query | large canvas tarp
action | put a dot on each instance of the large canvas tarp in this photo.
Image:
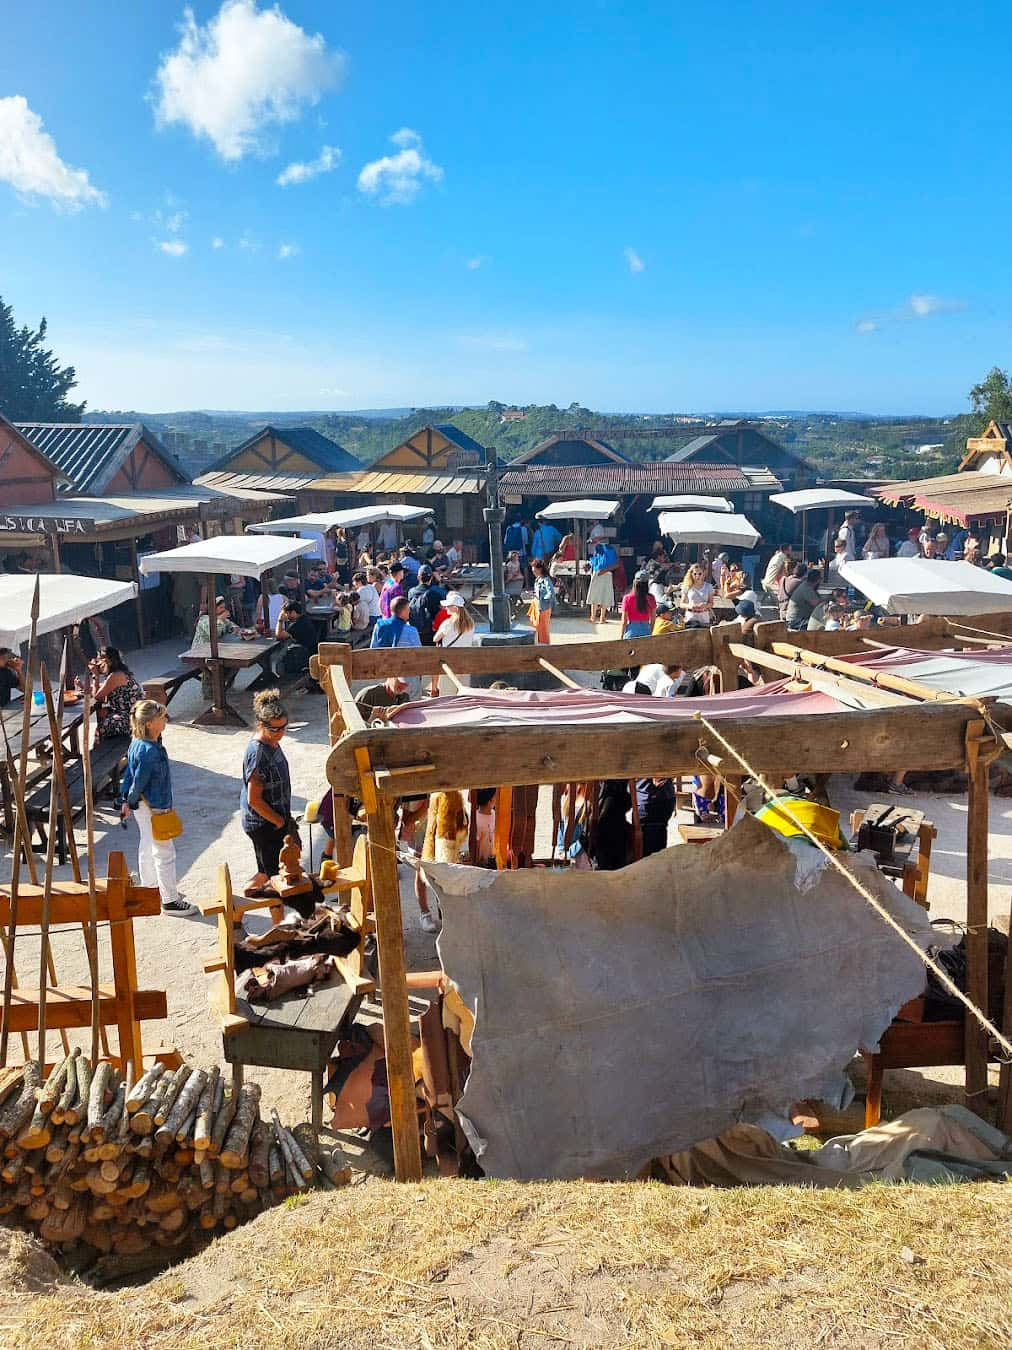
(626, 1015)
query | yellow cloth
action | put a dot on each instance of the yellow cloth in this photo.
(784, 814)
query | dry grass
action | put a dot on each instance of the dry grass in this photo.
(504, 1264)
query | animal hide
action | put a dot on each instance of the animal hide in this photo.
(446, 828)
(622, 1016)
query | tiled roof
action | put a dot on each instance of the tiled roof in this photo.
(89, 453)
(307, 441)
(582, 480)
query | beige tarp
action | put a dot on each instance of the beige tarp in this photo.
(624, 1016)
(930, 1144)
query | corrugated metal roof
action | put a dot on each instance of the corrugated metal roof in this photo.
(285, 483)
(546, 480)
(89, 453)
(147, 509)
(379, 482)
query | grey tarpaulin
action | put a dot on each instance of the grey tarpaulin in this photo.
(626, 1015)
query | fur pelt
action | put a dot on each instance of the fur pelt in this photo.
(446, 828)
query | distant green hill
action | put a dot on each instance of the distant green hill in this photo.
(839, 445)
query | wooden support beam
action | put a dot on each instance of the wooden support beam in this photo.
(827, 682)
(70, 1007)
(882, 679)
(386, 896)
(690, 647)
(560, 675)
(906, 736)
(976, 911)
(457, 686)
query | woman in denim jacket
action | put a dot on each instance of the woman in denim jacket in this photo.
(145, 790)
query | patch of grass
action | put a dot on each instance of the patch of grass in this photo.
(468, 1264)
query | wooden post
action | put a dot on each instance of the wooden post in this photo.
(54, 548)
(139, 597)
(386, 895)
(124, 965)
(976, 912)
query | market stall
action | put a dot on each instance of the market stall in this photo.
(820, 499)
(64, 599)
(240, 554)
(827, 723)
(581, 511)
(929, 586)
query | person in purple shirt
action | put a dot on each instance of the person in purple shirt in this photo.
(393, 589)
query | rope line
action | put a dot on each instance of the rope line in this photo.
(862, 890)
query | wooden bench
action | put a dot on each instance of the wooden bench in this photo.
(163, 688)
(106, 765)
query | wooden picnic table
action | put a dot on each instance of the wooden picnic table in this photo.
(38, 739)
(235, 654)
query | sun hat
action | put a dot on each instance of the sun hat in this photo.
(745, 609)
(455, 598)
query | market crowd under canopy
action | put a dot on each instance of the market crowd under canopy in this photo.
(244, 554)
(582, 508)
(821, 499)
(708, 527)
(687, 501)
(929, 586)
(64, 599)
(351, 519)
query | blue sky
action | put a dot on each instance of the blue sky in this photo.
(635, 206)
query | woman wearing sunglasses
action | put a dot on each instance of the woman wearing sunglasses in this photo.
(266, 798)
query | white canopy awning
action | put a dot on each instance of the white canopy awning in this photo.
(64, 599)
(582, 508)
(708, 527)
(247, 555)
(814, 499)
(687, 502)
(929, 586)
(341, 520)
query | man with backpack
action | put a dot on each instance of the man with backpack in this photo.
(424, 602)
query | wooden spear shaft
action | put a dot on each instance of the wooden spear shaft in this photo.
(91, 931)
(21, 824)
(59, 768)
(47, 884)
(26, 722)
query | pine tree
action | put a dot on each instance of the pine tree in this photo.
(33, 385)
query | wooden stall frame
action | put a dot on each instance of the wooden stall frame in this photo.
(379, 764)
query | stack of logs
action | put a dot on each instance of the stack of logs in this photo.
(167, 1161)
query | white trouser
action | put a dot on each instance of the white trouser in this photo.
(156, 860)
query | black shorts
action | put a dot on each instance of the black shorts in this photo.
(268, 841)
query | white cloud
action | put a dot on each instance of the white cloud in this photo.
(923, 306)
(244, 72)
(175, 248)
(217, 242)
(406, 139)
(865, 326)
(248, 244)
(29, 162)
(474, 263)
(396, 180)
(302, 171)
(636, 263)
(287, 251)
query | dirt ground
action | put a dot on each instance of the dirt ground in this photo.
(206, 780)
(505, 1265)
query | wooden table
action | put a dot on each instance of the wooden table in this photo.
(38, 739)
(298, 1031)
(235, 655)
